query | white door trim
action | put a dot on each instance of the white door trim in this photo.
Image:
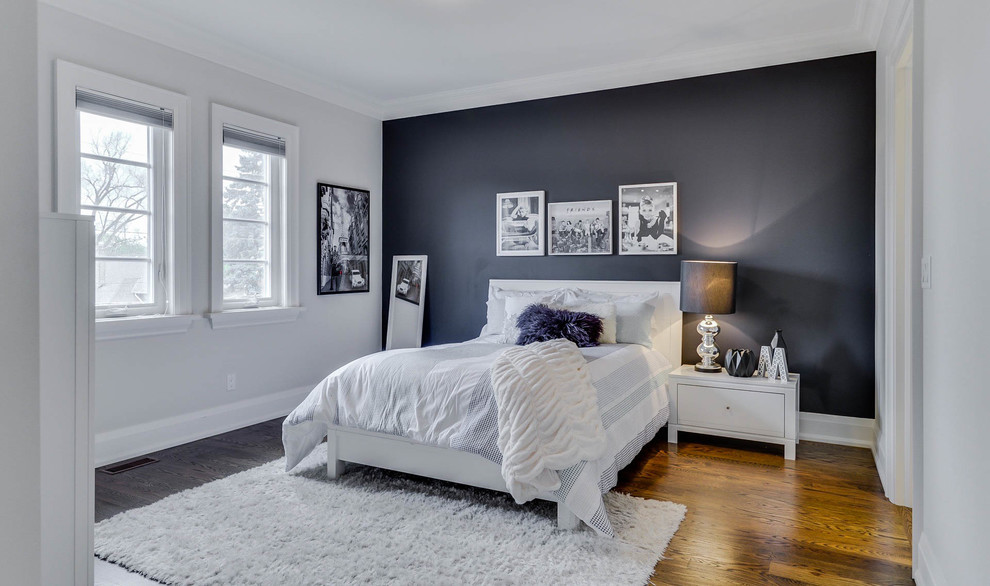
(898, 325)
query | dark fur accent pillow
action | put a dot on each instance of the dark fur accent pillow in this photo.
(540, 323)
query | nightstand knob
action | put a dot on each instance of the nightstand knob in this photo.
(726, 406)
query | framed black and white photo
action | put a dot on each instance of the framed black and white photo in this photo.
(519, 229)
(344, 236)
(580, 227)
(648, 218)
(408, 278)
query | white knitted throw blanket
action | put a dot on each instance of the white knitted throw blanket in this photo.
(548, 418)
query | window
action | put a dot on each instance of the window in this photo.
(253, 169)
(253, 207)
(121, 148)
(125, 153)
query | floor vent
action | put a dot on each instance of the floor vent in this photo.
(125, 466)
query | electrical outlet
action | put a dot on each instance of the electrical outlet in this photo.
(926, 272)
(231, 381)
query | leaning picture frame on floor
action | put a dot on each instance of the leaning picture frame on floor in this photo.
(343, 234)
(519, 225)
(406, 306)
(648, 218)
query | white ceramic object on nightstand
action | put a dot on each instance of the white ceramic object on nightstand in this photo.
(750, 408)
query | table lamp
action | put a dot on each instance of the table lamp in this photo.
(708, 287)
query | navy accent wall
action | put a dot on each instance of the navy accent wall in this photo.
(775, 170)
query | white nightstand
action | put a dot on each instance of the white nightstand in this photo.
(751, 408)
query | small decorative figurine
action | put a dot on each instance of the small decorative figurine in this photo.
(778, 341)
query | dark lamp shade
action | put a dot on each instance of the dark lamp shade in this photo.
(708, 287)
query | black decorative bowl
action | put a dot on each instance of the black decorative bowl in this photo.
(740, 362)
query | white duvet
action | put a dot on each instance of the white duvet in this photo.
(444, 396)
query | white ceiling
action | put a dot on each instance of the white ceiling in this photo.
(395, 58)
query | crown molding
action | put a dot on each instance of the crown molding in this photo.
(897, 19)
(870, 19)
(844, 41)
(138, 20)
(862, 34)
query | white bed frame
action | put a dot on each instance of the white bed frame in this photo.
(403, 455)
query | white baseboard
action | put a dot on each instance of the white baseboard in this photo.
(926, 569)
(879, 458)
(836, 429)
(137, 440)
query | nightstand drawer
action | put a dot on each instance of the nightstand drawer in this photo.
(731, 409)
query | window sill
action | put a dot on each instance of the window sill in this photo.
(261, 316)
(122, 328)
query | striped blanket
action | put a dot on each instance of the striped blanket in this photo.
(442, 396)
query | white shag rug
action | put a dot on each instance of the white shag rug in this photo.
(268, 527)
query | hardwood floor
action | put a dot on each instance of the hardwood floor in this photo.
(753, 518)
(188, 466)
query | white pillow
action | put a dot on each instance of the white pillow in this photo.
(605, 310)
(514, 306)
(634, 322)
(634, 313)
(600, 296)
(496, 305)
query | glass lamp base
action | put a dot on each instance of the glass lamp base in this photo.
(702, 368)
(707, 349)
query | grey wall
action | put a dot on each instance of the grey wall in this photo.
(952, 547)
(775, 170)
(171, 381)
(20, 508)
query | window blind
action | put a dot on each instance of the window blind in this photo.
(121, 108)
(251, 140)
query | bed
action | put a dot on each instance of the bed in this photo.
(429, 411)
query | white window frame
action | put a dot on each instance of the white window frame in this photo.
(176, 250)
(284, 304)
(159, 162)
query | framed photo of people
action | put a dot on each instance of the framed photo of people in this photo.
(580, 227)
(343, 239)
(648, 218)
(519, 228)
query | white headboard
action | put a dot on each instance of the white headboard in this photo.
(667, 317)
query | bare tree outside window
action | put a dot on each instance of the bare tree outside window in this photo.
(115, 178)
